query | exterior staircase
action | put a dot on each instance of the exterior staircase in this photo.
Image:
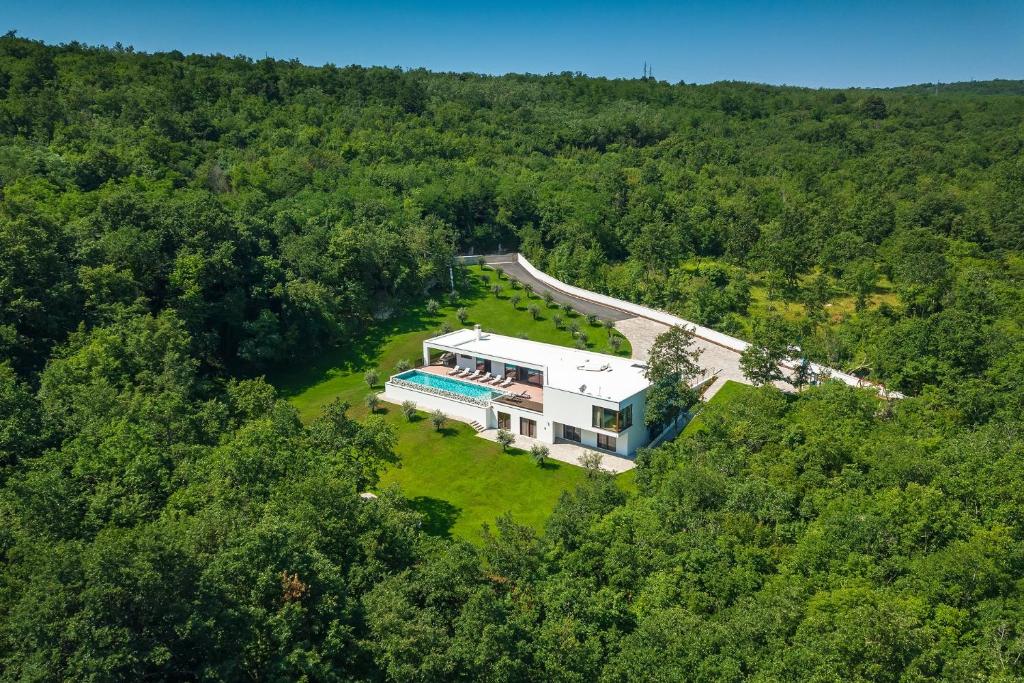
(477, 426)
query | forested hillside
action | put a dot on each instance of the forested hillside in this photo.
(172, 227)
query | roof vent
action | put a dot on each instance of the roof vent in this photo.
(583, 388)
(476, 328)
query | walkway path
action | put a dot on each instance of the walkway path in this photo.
(566, 452)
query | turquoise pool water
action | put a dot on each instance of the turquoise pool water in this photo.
(477, 391)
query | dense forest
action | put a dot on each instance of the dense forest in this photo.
(173, 227)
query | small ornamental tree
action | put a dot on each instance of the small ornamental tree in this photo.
(432, 306)
(529, 289)
(567, 309)
(514, 283)
(402, 365)
(802, 375)
(591, 319)
(371, 378)
(615, 341)
(760, 361)
(548, 298)
(409, 410)
(438, 419)
(463, 315)
(539, 452)
(515, 299)
(505, 438)
(609, 325)
(671, 369)
(496, 289)
(500, 271)
(557, 320)
(372, 401)
(534, 311)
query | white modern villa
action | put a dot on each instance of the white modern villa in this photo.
(550, 393)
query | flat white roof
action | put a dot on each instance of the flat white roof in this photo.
(582, 372)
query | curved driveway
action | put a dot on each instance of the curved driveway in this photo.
(722, 362)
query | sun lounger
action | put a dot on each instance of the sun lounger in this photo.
(486, 377)
(463, 372)
(454, 371)
(474, 375)
(507, 383)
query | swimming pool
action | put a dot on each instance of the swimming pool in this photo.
(476, 393)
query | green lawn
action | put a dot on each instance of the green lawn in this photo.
(456, 479)
(729, 391)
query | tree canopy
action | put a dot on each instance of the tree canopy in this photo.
(173, 226)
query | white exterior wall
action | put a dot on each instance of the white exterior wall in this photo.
(544, 424)
(576, 410)
(429, 402)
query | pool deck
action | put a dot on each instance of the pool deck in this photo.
(533, 399)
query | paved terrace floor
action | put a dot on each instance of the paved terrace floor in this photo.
(567, 452)
(532, 396)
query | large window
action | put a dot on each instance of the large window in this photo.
(504, 421)
(606, 442)
(612, 420)
(570, 433)
(528, 427)
(525, 375)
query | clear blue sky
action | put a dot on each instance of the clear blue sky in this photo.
(803, 43)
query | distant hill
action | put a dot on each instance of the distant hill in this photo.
(999, 86)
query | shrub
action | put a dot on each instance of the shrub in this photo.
(514, 283)
(591, 462)
(548, 298)
(534, 311)
(609, 325)
(616, 342)
(481, 261)
(582, 336)
(371, 378)
(539, 452)
(529, 289)
(463, 315)
(409, 410)
(438, 419)
(402, 365)
(591, 319)
(505, 438)
(432, 306)
(557, 319)
(372, 402)
(574, 327)
(445, 328)
(581, 344)
(496, 290)
(567, 309)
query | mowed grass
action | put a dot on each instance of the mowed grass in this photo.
(456, 479)
(339, 373)
(729, 391)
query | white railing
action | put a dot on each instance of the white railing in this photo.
(444, 393)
